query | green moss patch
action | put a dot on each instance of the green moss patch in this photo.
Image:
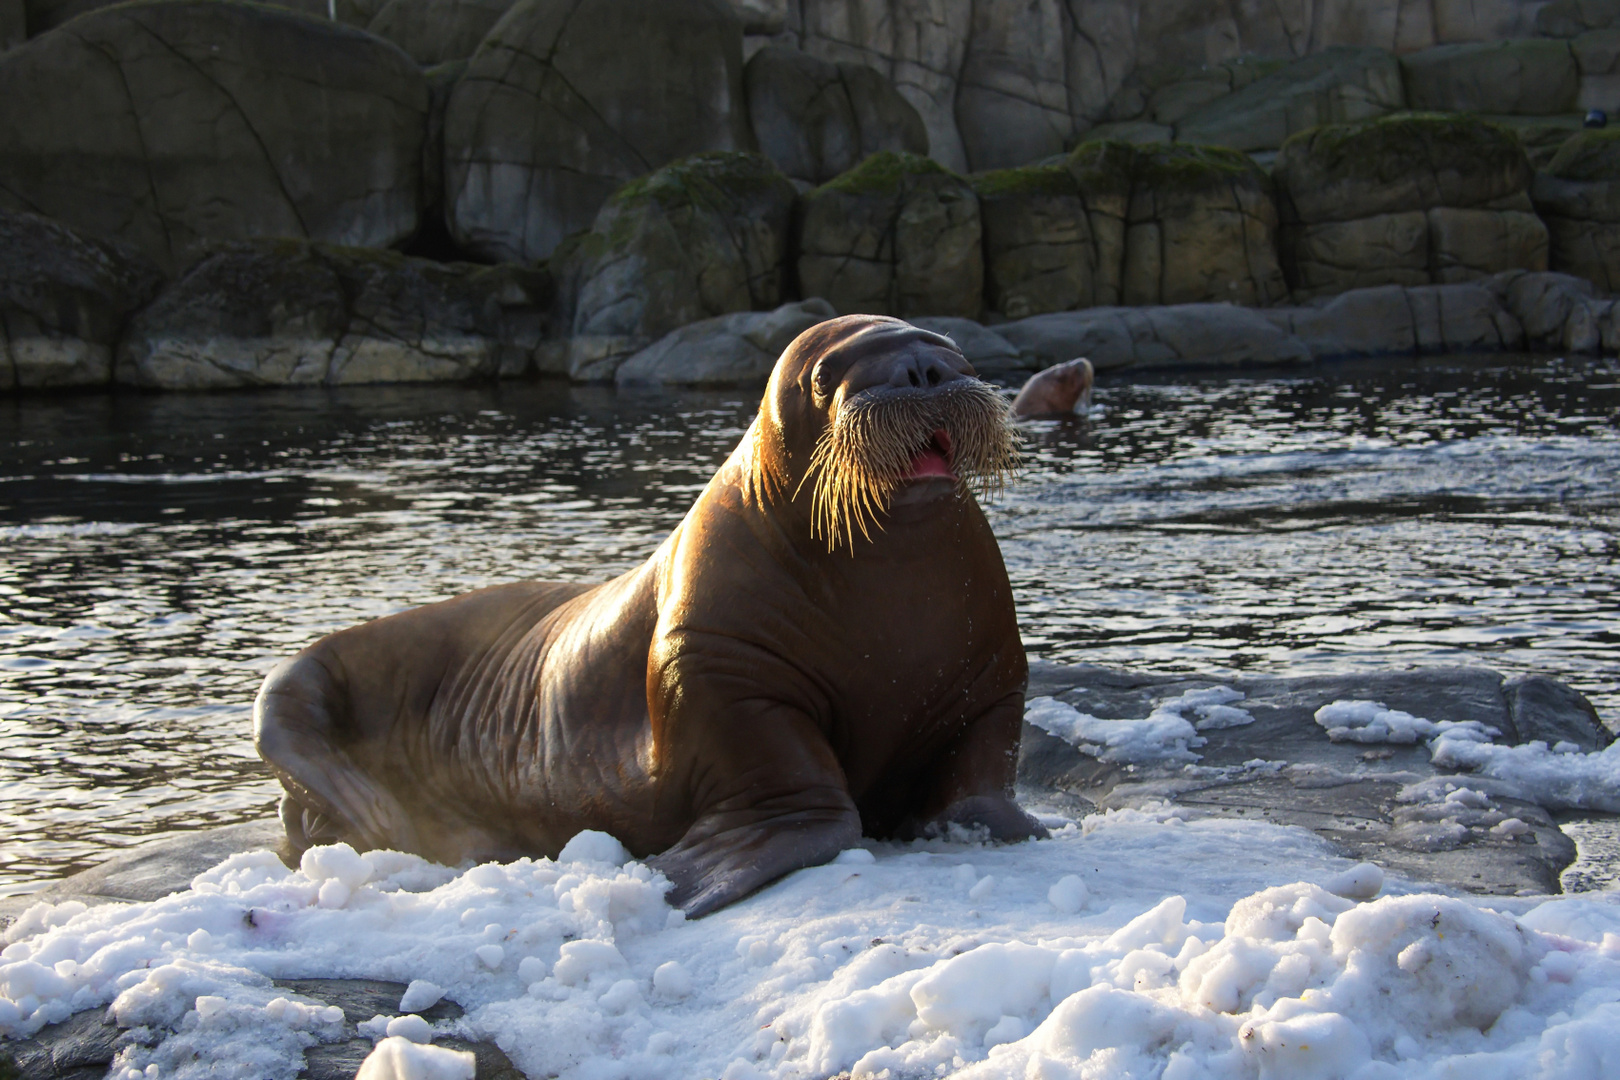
(1387, 149)
(883, 173)
(1031, 180)
(1183, 165)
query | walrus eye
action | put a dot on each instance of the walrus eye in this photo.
(823, 383)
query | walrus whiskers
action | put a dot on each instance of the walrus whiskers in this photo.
(865, 453)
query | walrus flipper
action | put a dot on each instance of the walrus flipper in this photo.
(329, 798)
(713, 870)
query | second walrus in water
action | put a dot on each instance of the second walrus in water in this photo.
(826, 646)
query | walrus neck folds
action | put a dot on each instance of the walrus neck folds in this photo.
(873, 441)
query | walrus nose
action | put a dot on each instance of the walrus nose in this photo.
(921, 370)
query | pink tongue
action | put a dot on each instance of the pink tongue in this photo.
(930, 462)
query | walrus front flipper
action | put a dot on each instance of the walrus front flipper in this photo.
(711, 869)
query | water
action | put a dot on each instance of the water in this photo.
(160, 553)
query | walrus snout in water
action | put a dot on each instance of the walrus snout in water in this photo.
(1060, 390)
(824, 647)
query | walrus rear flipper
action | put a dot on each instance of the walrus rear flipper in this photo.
(329, 798)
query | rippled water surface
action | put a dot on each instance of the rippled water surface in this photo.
(160, 553)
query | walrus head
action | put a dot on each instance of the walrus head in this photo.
(866, 410)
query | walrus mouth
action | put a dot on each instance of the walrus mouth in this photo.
(880, 439)
(933, 459)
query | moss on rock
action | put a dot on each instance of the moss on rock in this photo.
(883, 173)
(1052, 180)
(1389, 149)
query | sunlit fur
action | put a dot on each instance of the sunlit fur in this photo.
(865, 453)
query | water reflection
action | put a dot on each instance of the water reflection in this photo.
(161, 552)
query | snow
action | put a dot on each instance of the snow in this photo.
(1559, 777)
(1130, 944)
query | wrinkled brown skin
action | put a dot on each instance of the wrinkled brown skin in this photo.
(742, 705)
(1059, 390)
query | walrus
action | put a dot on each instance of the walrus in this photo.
(1060, 390)
(825, 647)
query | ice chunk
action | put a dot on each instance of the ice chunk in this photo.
(410, 1026)
(1069, 895)
(419, 995)
(400, 1059)
(1361, 882)
(671, 980)
(594, 847)
(582, 959)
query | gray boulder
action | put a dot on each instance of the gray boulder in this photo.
(897, 235)
(817, 119)
(566, 100)
(701, 237)
(1534, 77)
(176, 123)
(1039, 251)
(1597, 55)
(13, 23)
(436, 31)
(1201, 227)
(1390, 320)
(291, 313)
(1205, 336)
(1335, 86)
(1405, 200)
(739, 349)
(1578, 196)
(1385, 803)
(64, 299)
(1571, 18)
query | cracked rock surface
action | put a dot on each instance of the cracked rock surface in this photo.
(289, 313)
(64, 299)
(551, 115)
(174, 124)
(1408, 200)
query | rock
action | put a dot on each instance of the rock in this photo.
(1012, 102)
(1104, 172)
(81, 1046)
(1407, 201)
(1571, 18)
(176, 123)
(1529, 77)
(435, 31)
(1385, 804)
(1201, 227)
(43, 15)
(64, 299)
(1597, 55)
(566, 100)
(993, 357)
(1039, 253)
(152, 870)
(1390, 320)
(897, 235)
(288, 313)
(1545, 304)
(1579, 199)
(817, 119)
(84, 1045)
(1179, 336)
(703, 236)
(731, 350)
(1339, 85)
(761, 16)
(1135, 132)
(13, 23)
(918, 45)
